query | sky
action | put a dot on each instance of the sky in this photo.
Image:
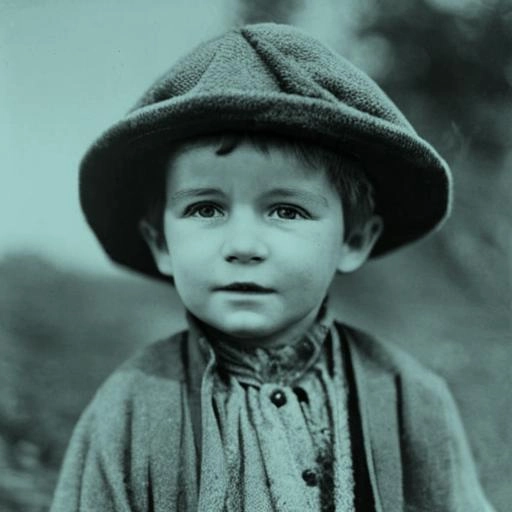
(69, 69)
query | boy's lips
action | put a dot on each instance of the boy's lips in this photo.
(246, 287)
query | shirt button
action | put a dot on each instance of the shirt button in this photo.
(309, 476)
(278, 398)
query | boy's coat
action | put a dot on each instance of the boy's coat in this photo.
(136, 445)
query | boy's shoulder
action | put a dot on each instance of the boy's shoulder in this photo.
(429, 446)
(379, 356)
(153, 370)
(162, 359)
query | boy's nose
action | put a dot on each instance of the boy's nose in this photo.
(242, 245)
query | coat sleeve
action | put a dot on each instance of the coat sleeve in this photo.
(98, 468)
(440, 471)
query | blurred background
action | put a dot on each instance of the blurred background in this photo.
(68, 316)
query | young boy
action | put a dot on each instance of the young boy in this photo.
(254, 170)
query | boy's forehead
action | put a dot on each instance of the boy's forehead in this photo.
(201, 161)
(199, 171)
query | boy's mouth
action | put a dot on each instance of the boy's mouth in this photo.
(244, 287)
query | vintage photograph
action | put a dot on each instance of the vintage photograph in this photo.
(256, 256)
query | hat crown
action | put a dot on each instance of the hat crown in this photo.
(273, 59)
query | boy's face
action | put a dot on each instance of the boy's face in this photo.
(247, 217)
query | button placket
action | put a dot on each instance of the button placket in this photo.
(310, 475)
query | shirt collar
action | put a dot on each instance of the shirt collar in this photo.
(282, 365)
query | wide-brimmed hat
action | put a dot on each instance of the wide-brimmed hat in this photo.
(274, 79)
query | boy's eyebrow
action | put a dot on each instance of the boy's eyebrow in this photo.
(298, 193)
(276, 192)
(195, 192)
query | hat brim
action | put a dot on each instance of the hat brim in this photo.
(412, 182)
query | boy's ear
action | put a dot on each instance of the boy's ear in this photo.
(357, 248)
(157, 246)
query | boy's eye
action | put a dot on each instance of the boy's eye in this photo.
(290, 212)
(211, 210)
(205, 210)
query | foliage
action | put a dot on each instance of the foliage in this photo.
(449, 66)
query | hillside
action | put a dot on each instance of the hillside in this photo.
(61, 334)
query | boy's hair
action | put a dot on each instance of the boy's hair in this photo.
(344, 171)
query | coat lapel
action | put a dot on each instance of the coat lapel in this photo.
(212, 473)
(378, 405)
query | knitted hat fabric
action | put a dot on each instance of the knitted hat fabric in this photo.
(274, 79)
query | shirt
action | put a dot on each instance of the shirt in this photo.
(282, 416)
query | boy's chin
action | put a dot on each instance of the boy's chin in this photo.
(247, 328)
(245, 325)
